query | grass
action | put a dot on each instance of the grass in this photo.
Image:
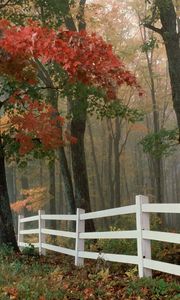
(30, 277)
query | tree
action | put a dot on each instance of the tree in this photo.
(23, 48)
(164, 11)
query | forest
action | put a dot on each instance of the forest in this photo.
(89, 118)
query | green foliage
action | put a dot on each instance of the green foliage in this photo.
(55, 277)
(158, 287)
(115, 246)
(30, 250)
(53, 11)
(162, 143)
(149, 45)
(5, 251)
(114, 109)
(166, 252)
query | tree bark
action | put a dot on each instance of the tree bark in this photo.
(78, 126)
(117, 136)
(82, 197)
(7, 233)
(52, 192)
(170, 35)
(99, 186)
(110, 167)
(61, 152)
(157, 162)
(67, 181)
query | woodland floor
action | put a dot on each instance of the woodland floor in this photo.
(55, 277)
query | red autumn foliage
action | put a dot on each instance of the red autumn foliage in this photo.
(38, 123)
(85, 57)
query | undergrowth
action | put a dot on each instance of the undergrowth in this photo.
(54, 277)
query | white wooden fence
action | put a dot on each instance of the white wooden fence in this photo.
(142, 234)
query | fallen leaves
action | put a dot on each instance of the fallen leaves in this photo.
(12, 292)
(55, 277)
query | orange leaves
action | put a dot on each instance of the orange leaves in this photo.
(38, 123)
(12, 292)
(34, 125)
(19, 206)
(35, 199)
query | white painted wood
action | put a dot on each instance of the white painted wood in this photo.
(162, 266)
(59, 217)
(173, 208)
(143, 234)
(143, 246)
(59, 233)
(58, 249)
(20, 229)
(29, 219)
(131, 234)
(129, 259)
(161, 236)
(29, 231)
(80, 228)
(36, 245)
(109, 212)
(42, 236)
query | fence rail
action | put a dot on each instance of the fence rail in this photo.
(142, 234)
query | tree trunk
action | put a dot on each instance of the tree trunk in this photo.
(82, 197)
(110, 165)
(169, 33)
(61, 152)
(52, 192)
(11, 183)
(171, 39)
(67, 181)
(117, 136)
(157, 162)
(99, 186)
(7, 234)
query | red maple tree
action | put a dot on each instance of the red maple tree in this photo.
(85, 57)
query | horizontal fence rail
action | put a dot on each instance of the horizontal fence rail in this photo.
(142, 234)
(130, 209)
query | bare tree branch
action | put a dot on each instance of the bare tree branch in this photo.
(155, 29)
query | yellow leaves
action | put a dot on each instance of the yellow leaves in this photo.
(56, 275)
(132, 273)
(104, 274)
(4, 124)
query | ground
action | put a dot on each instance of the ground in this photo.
(30, 277)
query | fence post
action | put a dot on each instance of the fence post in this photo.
(80, 227)
(42, 237)
(143, 246)
(20, 227)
